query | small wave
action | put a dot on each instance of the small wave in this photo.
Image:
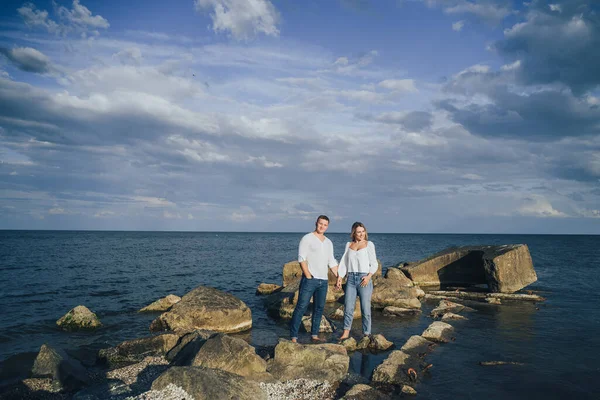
(104, 293)
(35, 294)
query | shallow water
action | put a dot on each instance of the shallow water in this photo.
(46, 273)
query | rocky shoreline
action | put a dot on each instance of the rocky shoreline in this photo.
(193, 356)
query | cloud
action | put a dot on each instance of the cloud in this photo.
(399, 85)
(458, 26)
(244, 214)
(242, 19)
(414, 121)
(129, 56)
(539, 207)
(28, 59)
(79, 19)
(489, 11)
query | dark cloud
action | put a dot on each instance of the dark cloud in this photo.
(414, 121)
(557, 42)
(27, 59)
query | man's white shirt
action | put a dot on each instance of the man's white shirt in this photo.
(318, 255)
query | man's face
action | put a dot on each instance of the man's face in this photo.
(322, 226)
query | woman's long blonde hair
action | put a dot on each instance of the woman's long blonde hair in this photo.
(355, 226)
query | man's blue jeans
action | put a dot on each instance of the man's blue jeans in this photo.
(309, 288)
(352, 287)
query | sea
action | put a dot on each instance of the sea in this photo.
(43, 274)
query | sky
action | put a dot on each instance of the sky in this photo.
(411, 116)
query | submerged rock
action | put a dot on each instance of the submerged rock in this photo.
(79, 318)
(400, 312)
(206, 308)
(451, 316)
(210, 384)
(267, 288)
(446, 306)
(163, 304)
(327, 361)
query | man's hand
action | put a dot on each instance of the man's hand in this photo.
(365, 280)
(308, 275)
(338, 283)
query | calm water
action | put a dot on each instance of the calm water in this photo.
(45, 273)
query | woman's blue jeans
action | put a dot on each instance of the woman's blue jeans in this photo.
(309, 288)
(364, 293)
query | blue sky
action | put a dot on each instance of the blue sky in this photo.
(254, 115)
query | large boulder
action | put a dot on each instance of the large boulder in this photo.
(206, 308)
(281, 303)
(210, 384)
(188, 346)
(79, 318)
(134, 351)
(391, 293)
(58, 366)
(163, 304)
(292, 272)
(417, 345)
(327, 361)
(505, 268)
(230, 354)
(396, 274)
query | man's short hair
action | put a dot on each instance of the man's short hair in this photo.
(325, 217)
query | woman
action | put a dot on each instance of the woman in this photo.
(360, 263)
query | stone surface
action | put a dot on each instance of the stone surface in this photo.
(446, 306)
(505, 268)
(325, 327)
(408, 390)
(79, 318)
(451, 316)
(396, 274)
(281, 304)
(416, 345)
(349, 344)
(363, 343)
(267, 288)
(509, 268)
(339, 312)
(364, 392)
(299, 389)
(143, 372)
(188, 346)
(493, 300)
(133, 351)
(206, 308)
(63, 370)
(327, 362)
(210, 384)
(374, 342)
(438, 332)
(163, 304)
(393, 370)
(230, 354)
(391, 293)
(400, 312)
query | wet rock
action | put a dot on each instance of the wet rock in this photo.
(210, 384)
(396, 274)
(374, 342)
(363, 343)
(206, 308)
(230, 354)
(394, 369)
(364, 392)
(327, 361)
(493, 300)
(142, 373)
(64, 371)
(349, 344)
(438, 332)
(408, 390)
(400, 312)
(391, 293)
(325, 327)
(446, 306)
(451, 316)
(416, 345)
(134, 351)
(281, 304)
(267, 288)
(79, 318)
(163, 304)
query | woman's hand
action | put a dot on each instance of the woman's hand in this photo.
(338, 283)
(365, 280)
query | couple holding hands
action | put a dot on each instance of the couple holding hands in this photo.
(359, 262)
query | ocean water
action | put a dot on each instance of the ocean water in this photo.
(43, 274)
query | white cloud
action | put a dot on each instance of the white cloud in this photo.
(104, 214)
(171, 215)
(244, 214)
(555, 7)
(399, 85)
(131, 55)
(537, 206)
(57, 211)
(458, 26)
(243, 19)
(262, 160)
(78, 19)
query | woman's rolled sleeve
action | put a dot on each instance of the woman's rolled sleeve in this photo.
(373, 265)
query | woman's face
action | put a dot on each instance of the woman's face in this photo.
(359, 234)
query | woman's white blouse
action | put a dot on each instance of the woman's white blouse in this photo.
(363, 260)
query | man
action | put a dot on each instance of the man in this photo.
(315, 254)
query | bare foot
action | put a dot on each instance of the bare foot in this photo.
(294, 340)
(317, 339)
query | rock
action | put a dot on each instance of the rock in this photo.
(508, 268)
(169, 392)
(394, 369)
(505, 268)
(188, 346)
(230, 354)
(438, 332)
(364, 392)
(339, 312)
(281, 304)
(446, 306)
(408, 390)
(391, 293)
(327, 361)
(267, 288)
(349, 344)
(400, 312)
(163, 304)
(416, 345)
(396, 274)
(299, 389)
(206, 308)
(64, 371)
(293, 272)
(325, 327)
(374, 342)
(363, 343)
(420, 292)
(451, 316)
(142, 373)
(210, 384)
(134, 351)
(333, 294)
(107, 389)
(493, 300)
(79, 318)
